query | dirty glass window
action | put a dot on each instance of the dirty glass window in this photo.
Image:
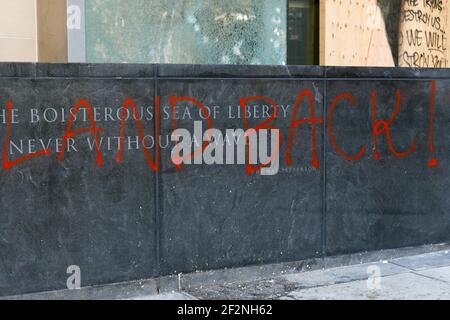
(199, 31)
(303, 32)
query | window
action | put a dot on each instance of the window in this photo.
(269, 32)
(303, 35)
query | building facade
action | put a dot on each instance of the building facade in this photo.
(270, 32)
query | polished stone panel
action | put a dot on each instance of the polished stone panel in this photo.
(218, 216)
(123, 222)
(71, 212)
(391, 202)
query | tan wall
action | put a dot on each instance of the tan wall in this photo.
(18, 27)
(52, 30)
(33, 30)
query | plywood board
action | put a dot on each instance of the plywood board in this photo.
(353, 34)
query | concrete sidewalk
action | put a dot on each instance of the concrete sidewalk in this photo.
(408, 273)
(425, 276)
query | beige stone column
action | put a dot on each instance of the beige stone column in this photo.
(33, 31)
(18, 38)
(423, 34)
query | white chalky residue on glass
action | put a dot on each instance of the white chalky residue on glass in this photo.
(225, 60)
(237, 49)
(276, 44)
(191, 19)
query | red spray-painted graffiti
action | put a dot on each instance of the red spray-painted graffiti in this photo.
(380, 127)
(9, 164)
(93, 129)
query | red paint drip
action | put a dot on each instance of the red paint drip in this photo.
(173, 101)
(264, 125)
(129, 103)
(362, 151)
(93, 130)
(383, 126)
(296, 122)
(10, 164)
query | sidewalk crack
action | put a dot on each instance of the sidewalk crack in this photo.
(416, 272)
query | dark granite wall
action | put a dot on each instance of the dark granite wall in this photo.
(124, 222)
